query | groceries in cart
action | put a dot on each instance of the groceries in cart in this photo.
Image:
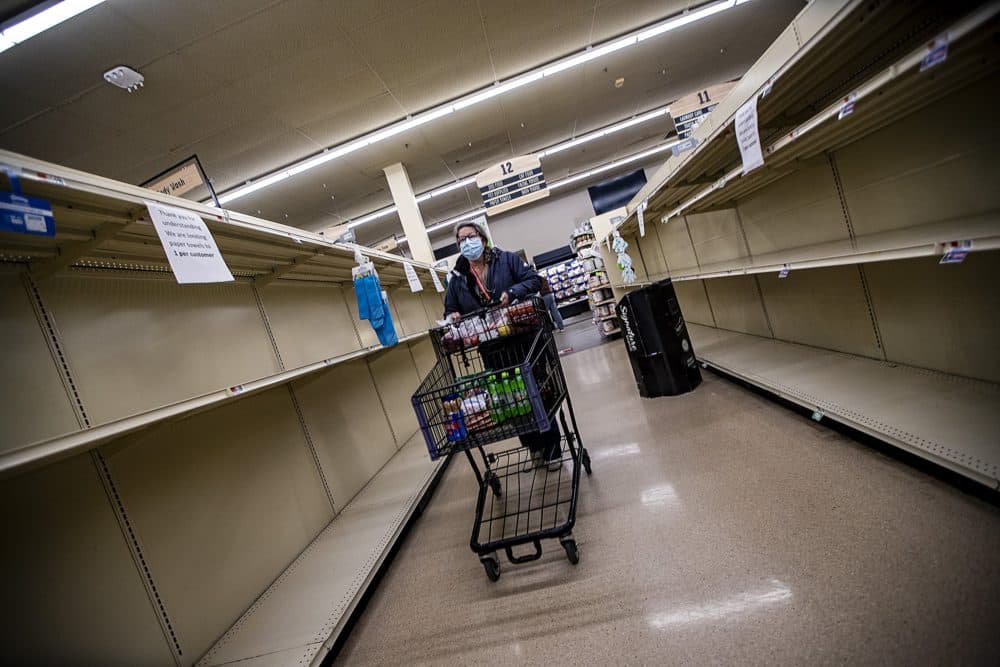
(493, 323)
(484, 402)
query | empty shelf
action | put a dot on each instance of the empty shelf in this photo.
(299, 617)
(953, 421)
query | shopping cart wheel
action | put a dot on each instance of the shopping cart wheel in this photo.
(585, 457)
(571, 553)
(492, 566)
(495, 484)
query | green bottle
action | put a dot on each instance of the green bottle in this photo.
(495, 407)
(521, 392)
(508, 396)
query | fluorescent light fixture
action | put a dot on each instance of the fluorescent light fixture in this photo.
(253, 187)
(453, 186)
(471, 99)
(381, 213)
(597, 134)
(612, 165)
(589, 54)
(685, 19)
(38, 23)
(326, 156)
(498, 89)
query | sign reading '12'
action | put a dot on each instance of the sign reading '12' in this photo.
(512, 183)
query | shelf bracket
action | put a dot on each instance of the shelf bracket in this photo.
(70, 254)
(266, 279)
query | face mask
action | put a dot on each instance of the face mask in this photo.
(472, 248)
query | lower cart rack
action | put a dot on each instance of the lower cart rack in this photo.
(520, 505)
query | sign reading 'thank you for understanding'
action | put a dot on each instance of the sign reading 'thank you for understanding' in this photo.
(512, 183)
(191, 250)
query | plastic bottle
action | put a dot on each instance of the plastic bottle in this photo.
(521, 393)
(507, 388)
(495, 399)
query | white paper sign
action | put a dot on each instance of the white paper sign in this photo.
(411, 277)
(639, 217)
(748, 136)
(193, 255)
(437, 281)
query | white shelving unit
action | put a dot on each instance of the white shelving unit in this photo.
(141, 400)
(832, 244)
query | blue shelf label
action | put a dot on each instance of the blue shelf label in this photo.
(26, 215)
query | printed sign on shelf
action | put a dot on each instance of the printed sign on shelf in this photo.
(411, 277)
(683, 146)
(191, 250)
(748, 136)
(26, 215)
(387, 245)
(847, 108)
(512, 183)
(641, 219)
(938, 53)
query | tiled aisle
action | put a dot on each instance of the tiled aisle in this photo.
(718, 528)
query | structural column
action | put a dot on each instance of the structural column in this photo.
(409, 212)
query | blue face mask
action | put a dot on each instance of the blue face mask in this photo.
(472, 248)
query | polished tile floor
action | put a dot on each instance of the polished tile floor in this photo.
(718, 528)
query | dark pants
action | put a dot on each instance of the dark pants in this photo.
(545, 443)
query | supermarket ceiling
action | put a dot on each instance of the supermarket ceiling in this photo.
(251, 86)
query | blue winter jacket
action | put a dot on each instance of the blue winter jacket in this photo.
(505, 272)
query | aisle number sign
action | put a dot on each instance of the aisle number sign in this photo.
(191, 250)
(689, 111)
(512, 183)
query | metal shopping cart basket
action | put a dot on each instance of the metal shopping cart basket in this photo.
(498, 376)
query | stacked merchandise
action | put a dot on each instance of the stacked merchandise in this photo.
(568, 281)
(602, 301)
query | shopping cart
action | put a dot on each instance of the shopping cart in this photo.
(498, 376)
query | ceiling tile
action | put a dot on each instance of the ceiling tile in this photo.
(181, 22)
(413, 48)
(57, 136)
(614, 17)
(359, 117)
(267, 38)
(555, 29)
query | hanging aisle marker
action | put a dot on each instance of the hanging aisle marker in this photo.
(512, 183)
(436, 280)
(411, 277)
(748, 136)
(191, 250)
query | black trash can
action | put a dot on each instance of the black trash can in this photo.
(657, 341)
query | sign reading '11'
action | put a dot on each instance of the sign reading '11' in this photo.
(512, 183)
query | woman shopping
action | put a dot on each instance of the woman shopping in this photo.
(483, 276)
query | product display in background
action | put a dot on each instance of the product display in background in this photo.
(568, 280)
(599, 295)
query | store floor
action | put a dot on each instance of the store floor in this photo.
(718, 528)
(580, 333)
